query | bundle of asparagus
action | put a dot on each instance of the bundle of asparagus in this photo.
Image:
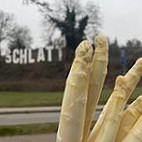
(106, 127)
(83, 88)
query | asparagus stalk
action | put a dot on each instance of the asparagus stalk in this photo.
(135, 135)
(75, 96)
(107, 125)
(98, 73)
(129, 118)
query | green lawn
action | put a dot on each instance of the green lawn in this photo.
(31, 129)
(28, 129)
(29, 99)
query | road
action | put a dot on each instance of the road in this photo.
(32, 118)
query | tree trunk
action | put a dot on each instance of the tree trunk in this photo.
(68, 56)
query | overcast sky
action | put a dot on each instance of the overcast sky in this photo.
(122, 19)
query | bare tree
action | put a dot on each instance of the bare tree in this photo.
(6, 23)
(74, 21)
(20, 38)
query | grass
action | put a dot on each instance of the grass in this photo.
(45, 128)
(28, 129)
(30, 99)
(35, 99)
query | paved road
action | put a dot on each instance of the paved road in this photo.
(32, 118)
(16, 119)
(30, 138)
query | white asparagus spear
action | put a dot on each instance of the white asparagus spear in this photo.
(75, 96)
(135, 135)
(98, 73)
(129, 118)
(107, 125)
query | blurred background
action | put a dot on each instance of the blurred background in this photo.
(57, 27)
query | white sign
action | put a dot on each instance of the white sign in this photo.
(25, 56)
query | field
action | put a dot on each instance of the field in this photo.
(31, 99)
